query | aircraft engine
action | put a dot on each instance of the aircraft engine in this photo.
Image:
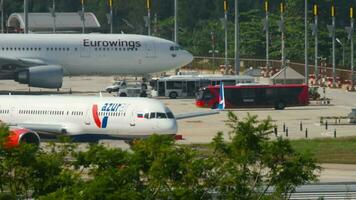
(46, 76)
(21, 136)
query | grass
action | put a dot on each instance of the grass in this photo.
(339, 150)
(329, 150)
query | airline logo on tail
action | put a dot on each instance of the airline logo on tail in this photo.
(221, 105)
(99, 123)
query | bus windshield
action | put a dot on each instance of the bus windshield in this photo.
(204, 94)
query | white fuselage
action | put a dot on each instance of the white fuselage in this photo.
(70, 115)
(106, 54)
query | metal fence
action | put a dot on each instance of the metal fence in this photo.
(213, 64)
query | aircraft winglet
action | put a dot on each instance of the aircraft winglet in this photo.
(221, 105)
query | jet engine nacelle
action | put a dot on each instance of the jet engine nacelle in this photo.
(44, 76)
(21, 136)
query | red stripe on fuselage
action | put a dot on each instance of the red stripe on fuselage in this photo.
(96, 116)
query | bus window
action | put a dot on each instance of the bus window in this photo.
(200, 95)
(269, 92)
(204, 95)
(161, 89)
(153, 84)
(229, 82)
(191, 88)
(174, 85)
(205, 83)
(248, 93)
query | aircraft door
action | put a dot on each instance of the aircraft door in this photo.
(85, 52)
(12, 111)
(161, 89)
(87, 118)
(133, 118)
(150, 48)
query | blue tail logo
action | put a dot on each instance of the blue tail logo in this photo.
(221, 105)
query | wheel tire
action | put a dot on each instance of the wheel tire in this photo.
(123, 95)
(143, 94)
(109, 91)
(173, 95)
(215, 106)
(280, 105)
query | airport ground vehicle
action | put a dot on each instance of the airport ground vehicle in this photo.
(132, 92)
(116, 86)
(188, 85)
(277, 96)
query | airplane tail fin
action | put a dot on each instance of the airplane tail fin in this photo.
(221, 105)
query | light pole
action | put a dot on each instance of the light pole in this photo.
(25, 8)
(237, 38)
(350, 31)
(53, 13)
(111, 17)
(306, 41)
(266, 28)
(175, 21)
(225, 28)
(281, 29)
(2, 16)
(315, 33)
(82, 16)
(333, 38)
(343, 50)
(148, 17)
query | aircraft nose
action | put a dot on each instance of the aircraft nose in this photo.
(169, 127)
(187, 57)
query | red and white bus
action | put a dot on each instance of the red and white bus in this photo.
(277, 96)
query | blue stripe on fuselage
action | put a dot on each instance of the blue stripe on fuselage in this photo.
(105, 122)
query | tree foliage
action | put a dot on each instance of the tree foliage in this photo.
(245, 167)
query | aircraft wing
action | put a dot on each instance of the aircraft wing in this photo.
(21, 62)
(196, 114)
(47, 128)
(10, 66)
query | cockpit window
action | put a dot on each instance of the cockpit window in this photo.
(161, 115)
(147, 115)
(175, 48)
(152, 115)
(170, 115)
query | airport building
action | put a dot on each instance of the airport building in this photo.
(68, 22)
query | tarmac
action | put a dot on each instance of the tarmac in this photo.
(203, 129)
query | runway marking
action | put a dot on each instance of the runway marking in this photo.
(330, 134)
(346, 107)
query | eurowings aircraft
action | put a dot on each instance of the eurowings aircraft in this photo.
(84, 118)
(41, 60)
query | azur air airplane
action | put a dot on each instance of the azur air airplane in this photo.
(86, 118)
